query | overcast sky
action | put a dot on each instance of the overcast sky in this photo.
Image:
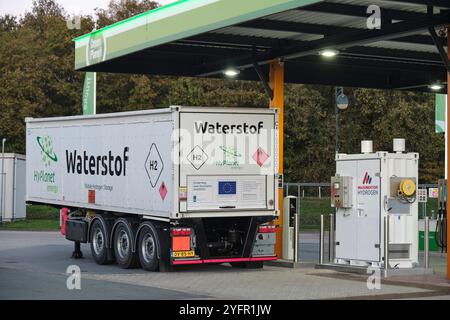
(18, 7)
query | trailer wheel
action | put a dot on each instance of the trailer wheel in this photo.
(123, 247)
(148, 249)
(98, 244)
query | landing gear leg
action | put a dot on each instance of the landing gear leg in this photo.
(77, 254)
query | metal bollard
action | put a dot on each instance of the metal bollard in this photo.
(331, 239)
(386, 242)
(296, 235)
(426, 242)
(321, 244)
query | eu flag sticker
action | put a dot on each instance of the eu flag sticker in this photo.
(227, 187)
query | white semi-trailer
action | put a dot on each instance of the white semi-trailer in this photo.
(164, 187)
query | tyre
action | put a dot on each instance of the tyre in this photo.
(123, 247)
(148, 249)
(100, 253)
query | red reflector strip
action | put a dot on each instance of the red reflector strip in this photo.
(266, 229)
(199, 261)
(181, 232)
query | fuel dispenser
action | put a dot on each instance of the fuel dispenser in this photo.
(441, 223)
(290, 206)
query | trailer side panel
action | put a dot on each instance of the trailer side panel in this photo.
(115, 164)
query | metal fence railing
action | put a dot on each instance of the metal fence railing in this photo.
(307, 189)
(322, 190)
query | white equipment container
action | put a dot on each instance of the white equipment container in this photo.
(364, 191)
(12, 203)
(173, 163)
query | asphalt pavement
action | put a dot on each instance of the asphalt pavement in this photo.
(33, 265)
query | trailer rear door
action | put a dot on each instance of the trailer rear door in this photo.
(228, 161)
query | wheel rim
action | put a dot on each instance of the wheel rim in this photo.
(148, 248)
(98, 241)
(123, 244)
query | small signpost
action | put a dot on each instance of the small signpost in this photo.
(341, 103)
(422, 197)
(341, 99)
(433, 193)
(89, 93)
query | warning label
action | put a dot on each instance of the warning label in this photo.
(154, 165)
(197, 157)
(163, 191)
(260, 156)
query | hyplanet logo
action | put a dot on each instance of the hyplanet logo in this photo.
(48, 156)
(230, 157)
(367, 189)
(230, 151)
(47, 153)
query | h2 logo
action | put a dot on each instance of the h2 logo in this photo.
(153, 165)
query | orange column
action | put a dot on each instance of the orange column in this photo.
(448, 154)
(276, 81)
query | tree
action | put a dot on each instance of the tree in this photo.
(36, 69)
(8, 23)
(119, 10)
(37, 79)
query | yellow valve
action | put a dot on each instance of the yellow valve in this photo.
(407, 187)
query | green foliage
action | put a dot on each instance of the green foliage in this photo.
(31, 225)
(42, 212)
(37, 80)
(311, 209)
(39, 218)
(123, 9)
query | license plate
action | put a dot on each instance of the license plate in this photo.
(183, 254)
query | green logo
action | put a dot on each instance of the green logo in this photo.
(47, 153)
(230, 151)
(96, 49)
(230, 158)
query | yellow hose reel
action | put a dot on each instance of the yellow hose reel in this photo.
(407, 188)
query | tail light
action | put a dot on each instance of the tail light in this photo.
(266, 229)
(181, 232)
(63, 214)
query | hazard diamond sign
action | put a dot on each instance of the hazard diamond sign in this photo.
(197, 157)
(260, 156)
(163, 191)
(154, 165)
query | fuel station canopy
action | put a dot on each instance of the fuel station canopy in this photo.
(402, 47)
(383, 44)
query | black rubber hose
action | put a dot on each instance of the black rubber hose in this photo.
(436, 232)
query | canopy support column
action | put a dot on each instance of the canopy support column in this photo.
(448, 153)
(276, 82)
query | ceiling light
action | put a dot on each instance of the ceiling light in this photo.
(231, 72)
(329, 53)
(435, 86)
